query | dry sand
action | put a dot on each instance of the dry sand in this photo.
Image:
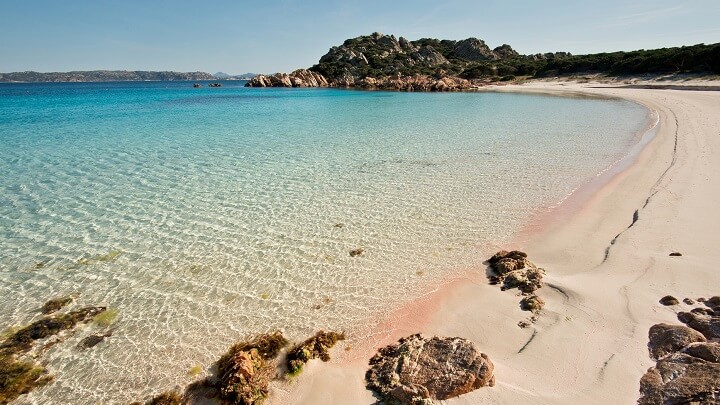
(589, 345)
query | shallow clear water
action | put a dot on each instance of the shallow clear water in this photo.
(204, 215)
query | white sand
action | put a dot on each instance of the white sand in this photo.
(589, 344)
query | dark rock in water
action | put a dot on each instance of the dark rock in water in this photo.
(532, 303)
(666, 339)
(708, 325)
(268, 345)
(317, 346)
(681, 379)
(688, 301)
(669, 300)
(420, 370)
(92, 340)
(339, 225)
(55, 304)
(357, 252)
(676, 254)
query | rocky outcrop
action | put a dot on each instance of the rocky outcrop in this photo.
(688, 361)
(298, 78)
(475, 50)
(420, 370)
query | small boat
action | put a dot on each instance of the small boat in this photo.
(196, 85)
(214, 85)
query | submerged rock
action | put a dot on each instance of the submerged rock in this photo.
(93, 340)
(421, 370)
(357, 252)
(55, 304)
(18, 377)
(317, 346)
(22, 340)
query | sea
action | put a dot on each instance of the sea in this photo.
(202, 216)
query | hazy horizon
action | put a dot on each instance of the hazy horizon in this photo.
(284, 35)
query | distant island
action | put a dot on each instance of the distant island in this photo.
(103, 76)
(385, 62)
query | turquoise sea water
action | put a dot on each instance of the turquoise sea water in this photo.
(204, 215)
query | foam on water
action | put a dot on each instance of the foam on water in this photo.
(204, 215)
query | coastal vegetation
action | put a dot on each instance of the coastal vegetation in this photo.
(102, 76)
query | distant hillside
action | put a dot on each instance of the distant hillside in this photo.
(383, 61)
(102, 76)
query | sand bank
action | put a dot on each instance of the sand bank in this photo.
(607, 265)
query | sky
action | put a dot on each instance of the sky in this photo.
(279, 36)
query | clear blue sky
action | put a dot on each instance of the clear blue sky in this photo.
(281, 35)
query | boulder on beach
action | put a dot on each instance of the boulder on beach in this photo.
(418, 369)
(665, 339)
(669, 300)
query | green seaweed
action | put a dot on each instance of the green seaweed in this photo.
(106, 318)
(104, 258)
(195, 370)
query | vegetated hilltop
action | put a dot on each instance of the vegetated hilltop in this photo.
(103, 76)
(382, 61)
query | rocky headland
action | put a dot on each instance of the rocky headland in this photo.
(379, 61)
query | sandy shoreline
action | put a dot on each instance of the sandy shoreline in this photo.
(607, 267)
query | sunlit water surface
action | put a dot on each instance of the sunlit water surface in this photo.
(204, 215)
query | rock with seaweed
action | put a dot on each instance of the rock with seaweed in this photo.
(245, 371)
(55, 304)
(317, 346)
(18, 377)
(23, 339)
(421, 370)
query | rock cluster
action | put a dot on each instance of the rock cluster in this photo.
(298, 78)
(513, 270)
(688, 359)
(421, 370)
